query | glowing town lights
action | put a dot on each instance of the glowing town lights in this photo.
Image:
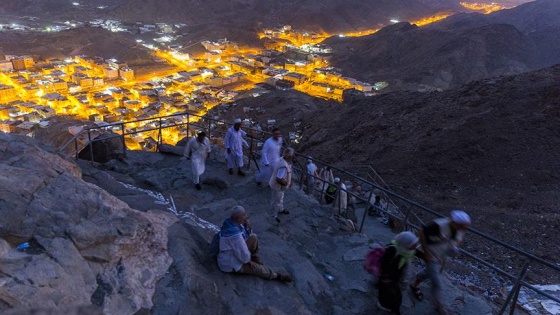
(75, 3)
(483, 7)
(139, 40)
(431, 19)
(394, 21)
(341, 35)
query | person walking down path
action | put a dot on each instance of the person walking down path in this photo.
(239, 246)
(197, 150)
(311, 175)
(439, 238)
(340, 203)
(395, 271)
(269, 156)
(234, 147)
(279, 182)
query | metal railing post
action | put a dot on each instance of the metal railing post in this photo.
(250, 154)
(188, 124)
(405, 220)
(514, 293)
(366, 211)
(338, 197)
(90, 146)
(123, 140)
(160, 140)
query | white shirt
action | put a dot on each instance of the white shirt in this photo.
(271, 151)
(311, 168)
(233, 253)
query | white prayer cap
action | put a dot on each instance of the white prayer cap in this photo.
(460, 217)
(237, 121)
(337, 180)
(309, 160)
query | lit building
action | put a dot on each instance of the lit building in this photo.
(297, 78)
(97, 81)
(22, 63)
(6, 66)
(8, 126)
(59, 85)
(111, 73)
(82, 79)
(7, 92)
(126, 74)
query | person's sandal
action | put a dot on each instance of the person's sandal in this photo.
(283, 278)
(417, 292)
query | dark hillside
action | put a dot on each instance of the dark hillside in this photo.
(408, 57)
(491, 146)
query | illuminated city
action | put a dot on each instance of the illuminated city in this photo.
(106, 91)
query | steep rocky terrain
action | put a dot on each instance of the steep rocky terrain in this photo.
(85, 246)
(491, 147)
(455, 51)
(90, 253)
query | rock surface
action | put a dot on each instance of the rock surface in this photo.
(86, 246)
(310, 243)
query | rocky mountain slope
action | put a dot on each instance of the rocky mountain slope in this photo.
(80, 41)
(456, 50)
(90, 253)
(329, 15)
(491, 147)
(85, 246)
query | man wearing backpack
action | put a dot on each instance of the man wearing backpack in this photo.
(394, 269)
(439, 239)
(237, 250)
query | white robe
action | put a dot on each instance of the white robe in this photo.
(198, 153)
(269, 157)
(234, 141)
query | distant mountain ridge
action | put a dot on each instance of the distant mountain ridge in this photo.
(457, 50)
(530, 17)
(330, 15)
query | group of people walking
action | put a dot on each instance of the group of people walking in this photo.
(433, 244)
(238, 245)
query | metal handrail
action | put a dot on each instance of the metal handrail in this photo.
(407, 224)
(301, 171)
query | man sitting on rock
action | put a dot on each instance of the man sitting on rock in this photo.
(239, 246)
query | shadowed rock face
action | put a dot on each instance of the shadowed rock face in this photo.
(105, 148)
(87, 247)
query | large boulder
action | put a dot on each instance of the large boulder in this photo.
(86, 246)
(105, 147)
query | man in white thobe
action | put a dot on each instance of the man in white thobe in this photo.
(269, 157)
(341, 200)
(311, 175)
(197, 150)
(234, 147)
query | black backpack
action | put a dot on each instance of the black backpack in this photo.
(330, 193)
